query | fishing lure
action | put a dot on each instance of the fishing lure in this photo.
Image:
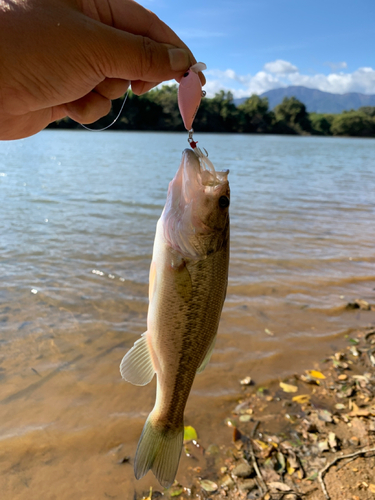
(190, 94)
(189, 97)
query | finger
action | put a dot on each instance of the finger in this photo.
(131, 17)
(139, 87)
(119, 54)
(112, 88)
(89, 108)
(20, 126)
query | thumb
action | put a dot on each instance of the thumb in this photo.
(134, 57)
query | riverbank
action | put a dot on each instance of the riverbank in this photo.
(304, 437)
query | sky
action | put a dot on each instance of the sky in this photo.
(251, 46)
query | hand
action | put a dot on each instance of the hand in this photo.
(71, 57)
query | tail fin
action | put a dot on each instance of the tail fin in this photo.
(159, 449)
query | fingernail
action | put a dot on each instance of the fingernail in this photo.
(179, 59)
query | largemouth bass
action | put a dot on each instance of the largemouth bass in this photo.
(187, 288)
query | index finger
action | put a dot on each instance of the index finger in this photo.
(128, 15)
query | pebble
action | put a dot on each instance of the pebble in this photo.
(248, 485)
(227, 481)
(242, 470)
(343, 377)
(245, 418)
(246, 381)
(354, 440)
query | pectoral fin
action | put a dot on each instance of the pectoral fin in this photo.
(136, 366)
(207, 357)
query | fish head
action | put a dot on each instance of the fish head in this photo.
(196, 215)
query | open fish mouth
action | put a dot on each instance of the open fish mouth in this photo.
(197, 163)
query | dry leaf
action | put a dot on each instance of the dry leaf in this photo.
(190, 434)
(175, 491)
(261, 444)
(315, 374)
(332, 441)
(357, 412)
(302, 399)
(281, 460)
(288, 387)
(290, 470)
(372, 488)
(275, 485)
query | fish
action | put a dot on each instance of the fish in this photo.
(187, 288)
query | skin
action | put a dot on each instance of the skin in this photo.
(70, 58)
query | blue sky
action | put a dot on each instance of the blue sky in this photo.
(251, 46)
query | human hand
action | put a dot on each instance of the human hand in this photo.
(71, 57)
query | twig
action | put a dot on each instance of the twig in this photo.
(337, 459)
(256, 425)
(345, 464)
(255, 465)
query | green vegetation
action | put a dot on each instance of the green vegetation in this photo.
(158, 110)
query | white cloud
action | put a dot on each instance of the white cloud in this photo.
(280, 67)
(282, 74)
(336, 66)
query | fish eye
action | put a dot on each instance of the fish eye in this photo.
(223, 202)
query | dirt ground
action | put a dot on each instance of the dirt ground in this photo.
(309, 437)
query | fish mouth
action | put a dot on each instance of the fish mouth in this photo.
(197, 164)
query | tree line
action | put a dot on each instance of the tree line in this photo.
(158, 110)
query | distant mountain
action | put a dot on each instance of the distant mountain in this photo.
(316, 100)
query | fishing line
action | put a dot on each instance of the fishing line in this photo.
(114, 121)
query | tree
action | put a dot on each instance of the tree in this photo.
(368, 110)
(218, 114)
(291, 114)
(166, 98)
(354, 123)
(321, 124)
(254, 115)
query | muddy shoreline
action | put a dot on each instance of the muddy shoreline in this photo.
(311, 436)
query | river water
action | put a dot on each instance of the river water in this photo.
(77, 220)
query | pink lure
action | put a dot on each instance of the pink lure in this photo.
(190, 94)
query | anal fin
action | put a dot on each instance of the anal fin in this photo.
(136, 366)
(207, 356)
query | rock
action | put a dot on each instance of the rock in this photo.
(363, 304)
(354, 441)
(213, 449)
(227, 481)
(243, 470)
(323, 445)
(325, 415)
(359, 304)
(246, 381)
(247, 485)
(245, 418)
